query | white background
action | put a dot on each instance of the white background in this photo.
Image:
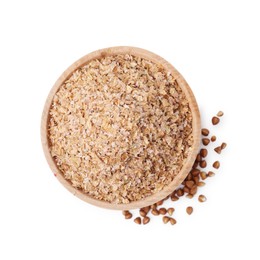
(216, 47)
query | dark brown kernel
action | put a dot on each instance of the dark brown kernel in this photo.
(170, 211)
(146, 220)
(203, 153)
(202, 198)
(162, 211)
(189, 210)
(173, 221)
(215, 120)
(203, 175)
(189, 184)
(155, 212)
(203, 164)
(193, 190)
(138, 220)
(218, 150)
(196, 179)
(128, 215)
(198, 158)
(195, 172)
(165, 219)
(223, 146)
(205, 131)
(211, 174)
(174, 198)
(159, 203)
(216, 164)
(180, 192)
(213, 138)
(186, 190)
(205, 141)
(142, 213)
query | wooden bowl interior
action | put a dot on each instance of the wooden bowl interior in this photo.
(195, 124)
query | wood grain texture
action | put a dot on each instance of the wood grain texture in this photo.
(195, 124)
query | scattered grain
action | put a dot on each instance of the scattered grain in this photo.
(215, 120)
(173, 221)
(180, 192)
(170, 211)
(205, 141)
(124, 212)
(193, 190)
(203, 164)
(146, 220)
(186, 189)
(195, 165)
(165, 219)
(142, 213)
(223, 146)
(128, 215)
(203, 153)
(155, 212)
(159, 203)
(198, 158)
(174, 198)
(205, 131)
(218, 149)
(201, 184)
(220, 113)
(196, 179)
(216, 164)
(189, 210)
(213, 138)
(154, 206)
(195, 172)
(202, 198)
(210, 174)
(189, 184)
(146, 209)
(138, 220)
(162, 211)
(203, 175)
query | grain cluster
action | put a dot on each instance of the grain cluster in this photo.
(190, 186)
(120, 128)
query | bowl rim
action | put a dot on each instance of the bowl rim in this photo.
(196, 127)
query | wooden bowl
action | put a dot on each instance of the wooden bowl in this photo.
(196, 127)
